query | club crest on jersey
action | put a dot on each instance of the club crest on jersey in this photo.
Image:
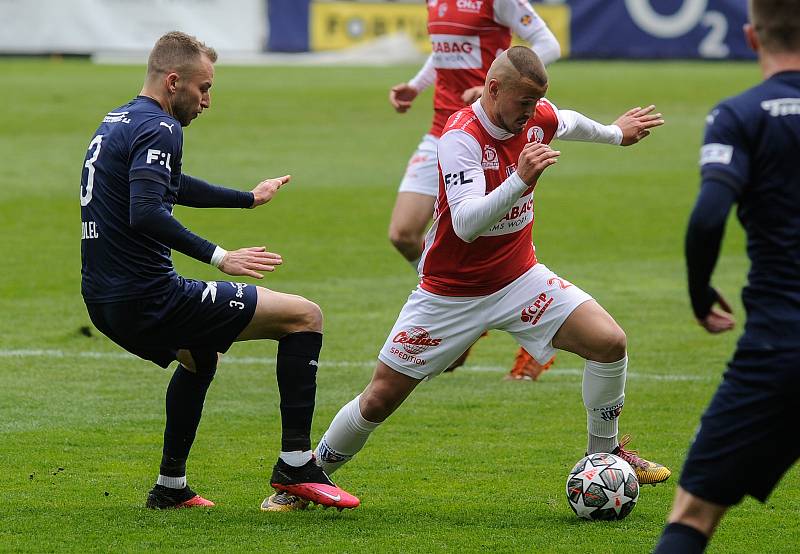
(535, 134)
(416, 340)
(490, 159)
(526, 19)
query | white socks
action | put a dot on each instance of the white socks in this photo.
(172, 482)
(604, 397)
(296, 458)
(344, 438)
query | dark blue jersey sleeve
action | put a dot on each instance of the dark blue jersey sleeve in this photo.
(156, 152)
(703, 240)
(197, 193)
(724, 155)
(149, 216)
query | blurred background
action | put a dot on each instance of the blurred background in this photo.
(378, 31)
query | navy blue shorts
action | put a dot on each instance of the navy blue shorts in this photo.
(747, 435)
(194, 315)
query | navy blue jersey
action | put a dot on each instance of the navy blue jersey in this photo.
(137, 141)
(752, 145)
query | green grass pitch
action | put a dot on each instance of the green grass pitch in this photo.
(470, 462)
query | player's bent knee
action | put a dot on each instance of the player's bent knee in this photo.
(310, 318)
(375, 407)
(611, 345)
(205, 363)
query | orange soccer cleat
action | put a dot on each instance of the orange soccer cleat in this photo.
(526, 368)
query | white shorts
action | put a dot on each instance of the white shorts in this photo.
(422, 172)
(432, 331)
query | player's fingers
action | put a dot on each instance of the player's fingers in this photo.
(633, 110)
(549, 154)
(255, 249)
(283, 180)
(645, 111)
(260, 267)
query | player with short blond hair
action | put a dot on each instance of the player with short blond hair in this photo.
(132, 178)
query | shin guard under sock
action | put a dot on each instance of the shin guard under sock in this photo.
(298, 355)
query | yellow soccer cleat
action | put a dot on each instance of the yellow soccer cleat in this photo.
(283, 502)
(647, 472)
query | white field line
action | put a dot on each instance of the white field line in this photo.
(255, 360)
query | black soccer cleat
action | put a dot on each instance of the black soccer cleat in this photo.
(164, 498)
(311, 483)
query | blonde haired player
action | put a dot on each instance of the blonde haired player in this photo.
(466, 36)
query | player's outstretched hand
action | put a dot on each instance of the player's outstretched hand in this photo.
(250, 261)
(718, 321)
(401, 96)
(471, 94)
(534, 159)
(636, 124)
(266, 189)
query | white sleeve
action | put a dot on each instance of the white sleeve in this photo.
(576, 126)
(520, 17)
(425, 77)
(473, 211)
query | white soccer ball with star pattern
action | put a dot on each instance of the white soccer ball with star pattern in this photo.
(602, 486)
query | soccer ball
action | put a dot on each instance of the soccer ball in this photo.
(602, 486)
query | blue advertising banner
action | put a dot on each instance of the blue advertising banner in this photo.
(710, 29)
(288, 25)
(627, 29)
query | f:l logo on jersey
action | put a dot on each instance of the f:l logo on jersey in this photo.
(163, 158)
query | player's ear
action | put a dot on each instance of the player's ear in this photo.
(494, 88)
(171, 82)
(751, 37)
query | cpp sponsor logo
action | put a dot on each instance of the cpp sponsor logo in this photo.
(416, 340)
(533, 313)
(535, 134)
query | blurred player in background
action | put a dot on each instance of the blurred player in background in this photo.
(747, 436)
(465, 37)
(479, 268)
(131, 180)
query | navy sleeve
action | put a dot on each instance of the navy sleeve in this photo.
(156, 151)
(703, 241)
(724, 155)
(197, 193)
(149, 216)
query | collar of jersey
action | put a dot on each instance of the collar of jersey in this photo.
(494, 130)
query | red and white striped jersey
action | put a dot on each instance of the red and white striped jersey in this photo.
(466, 37)
(475, 158)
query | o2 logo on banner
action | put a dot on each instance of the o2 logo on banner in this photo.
(690, 14)
(709, 29)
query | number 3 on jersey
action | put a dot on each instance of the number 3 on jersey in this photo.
(97, 143)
